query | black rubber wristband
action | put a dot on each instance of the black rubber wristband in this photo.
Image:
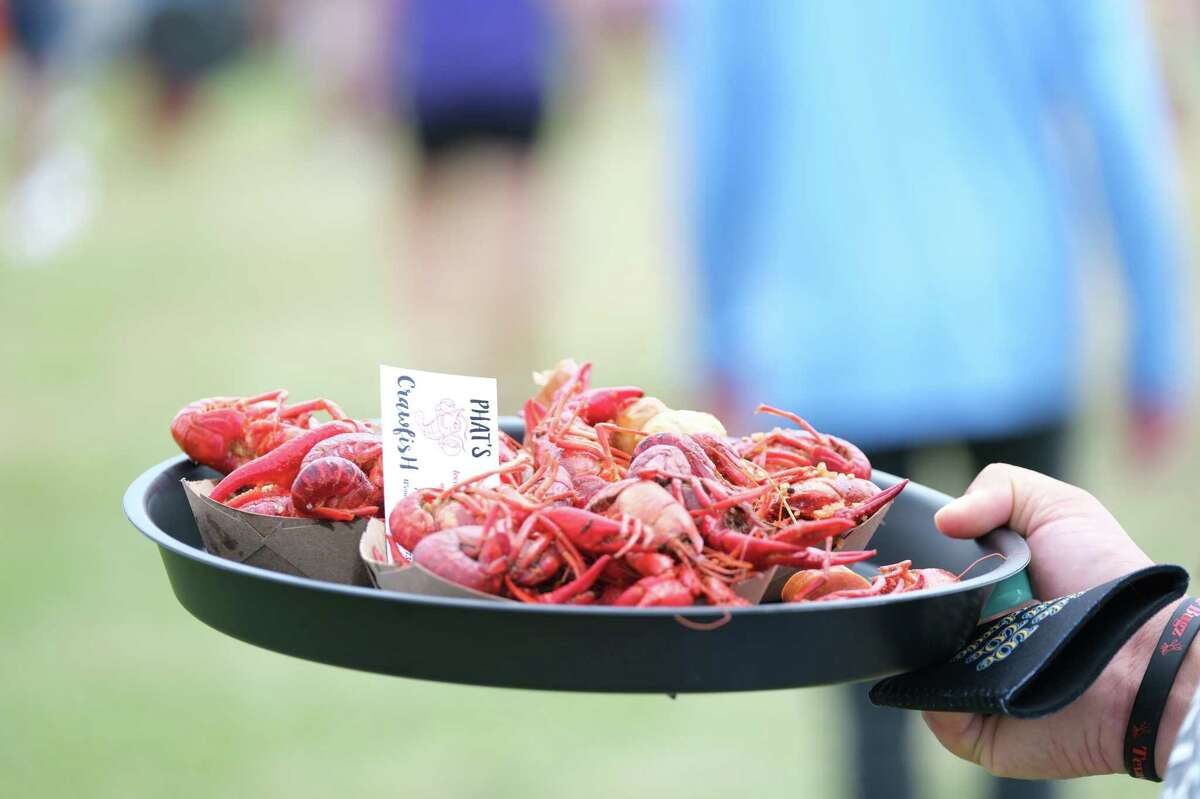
(1142, 730)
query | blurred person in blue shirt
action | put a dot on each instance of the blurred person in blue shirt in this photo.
(883, 225)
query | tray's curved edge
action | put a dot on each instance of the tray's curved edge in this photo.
(220, 622)
(1008, 543)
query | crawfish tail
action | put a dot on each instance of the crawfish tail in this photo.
(335, 488)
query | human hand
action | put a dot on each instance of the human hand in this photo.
(1076, 544)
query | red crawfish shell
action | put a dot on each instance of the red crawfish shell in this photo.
(937, 577)
(410, 520)
(701, 464)
(362, 449)
(650, 503)
(663, 459)
(603, 499)
(455, 555)
(333, 482)
(454, 514)
(586, 488)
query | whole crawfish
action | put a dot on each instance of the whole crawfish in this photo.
(490, 557)
(331, 472)
(572, 425)
(341, 477)
(783, 449)
(227, 432)
(658, 553)
(818, 494)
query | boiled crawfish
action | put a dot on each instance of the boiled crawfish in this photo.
(330, 472)
(341, 478)
(783, 449)
(224, 433)
(491, 556)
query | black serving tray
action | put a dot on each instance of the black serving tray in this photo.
(585, 648)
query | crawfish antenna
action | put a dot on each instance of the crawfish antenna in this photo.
(979, 560)
(794, 419)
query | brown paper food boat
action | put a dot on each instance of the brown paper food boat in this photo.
(303, 547)
(407, 577)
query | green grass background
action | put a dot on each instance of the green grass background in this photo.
(266, 255)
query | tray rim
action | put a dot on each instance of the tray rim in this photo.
(134, 507)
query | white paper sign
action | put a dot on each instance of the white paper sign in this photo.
(437, 430)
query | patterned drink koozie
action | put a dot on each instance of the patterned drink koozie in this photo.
(1038, 659)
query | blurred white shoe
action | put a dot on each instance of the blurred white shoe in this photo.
(50, 206)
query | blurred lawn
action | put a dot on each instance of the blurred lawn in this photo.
(262, 259)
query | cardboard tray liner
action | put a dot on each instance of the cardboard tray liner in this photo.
(303, 547)
(407, 577)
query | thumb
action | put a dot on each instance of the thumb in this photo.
(1001, 495)
(960, 733)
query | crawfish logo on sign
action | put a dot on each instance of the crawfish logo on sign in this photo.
(437, 429)
(446, 426)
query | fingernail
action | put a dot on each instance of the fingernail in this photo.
(951, 508)
(940, 516)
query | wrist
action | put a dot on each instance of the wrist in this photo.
(1183, 690)
(1130, 666)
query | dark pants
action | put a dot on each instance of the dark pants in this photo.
(882, 758)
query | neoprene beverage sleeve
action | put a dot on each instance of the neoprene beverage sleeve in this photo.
(1038, 659)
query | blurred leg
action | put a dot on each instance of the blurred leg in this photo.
(474, 297)
(881, 758)
(521, 300)
(35, 28)
(1005, 788)
(477, 300)
(1042, 450)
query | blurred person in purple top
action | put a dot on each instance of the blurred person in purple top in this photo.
(472, 81)
(475, 71)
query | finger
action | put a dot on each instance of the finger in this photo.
(959, 733)
(1002, 495)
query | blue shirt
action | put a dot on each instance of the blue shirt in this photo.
(882, 214)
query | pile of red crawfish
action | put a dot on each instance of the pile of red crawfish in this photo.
(612, 497)
(280, 460)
